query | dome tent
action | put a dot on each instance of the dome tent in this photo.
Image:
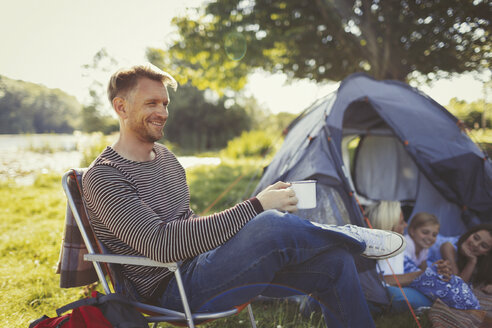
(407, 148)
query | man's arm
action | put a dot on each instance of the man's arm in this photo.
(114, 204)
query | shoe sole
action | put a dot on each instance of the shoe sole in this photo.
(394, 253)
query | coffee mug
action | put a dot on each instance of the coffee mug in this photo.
(305, 192)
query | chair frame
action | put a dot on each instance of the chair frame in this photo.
(98, 257)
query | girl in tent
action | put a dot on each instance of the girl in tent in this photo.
(422, 234)
(422, 284)
(470, 256)
(387, 215)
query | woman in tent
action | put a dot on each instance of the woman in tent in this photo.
(387, 215)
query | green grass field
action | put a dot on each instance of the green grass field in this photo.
(31, 230)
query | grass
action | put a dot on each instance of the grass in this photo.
(32, 225)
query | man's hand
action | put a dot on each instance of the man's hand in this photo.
(278, 196)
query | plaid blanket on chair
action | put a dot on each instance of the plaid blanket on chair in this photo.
(73, 270)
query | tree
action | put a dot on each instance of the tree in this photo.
(97, 112)
(31, 108)
(93, 121)
(472, 114)
(199, 123)
(487, 88)
(328, 39)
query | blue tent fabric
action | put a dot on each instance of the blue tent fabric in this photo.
(444, 172)
(453, 164)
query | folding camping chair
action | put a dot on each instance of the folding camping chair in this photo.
(97, 254)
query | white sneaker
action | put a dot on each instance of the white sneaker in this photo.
(380, 244)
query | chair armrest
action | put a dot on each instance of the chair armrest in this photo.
(126, 259)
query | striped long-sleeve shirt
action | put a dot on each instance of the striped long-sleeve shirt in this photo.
(143, 208)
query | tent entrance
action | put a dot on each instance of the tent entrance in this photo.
(381, 169)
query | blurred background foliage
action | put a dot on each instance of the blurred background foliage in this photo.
(218, 45)
(31, 108)
(326, 40)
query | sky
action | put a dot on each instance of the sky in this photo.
(48, 42)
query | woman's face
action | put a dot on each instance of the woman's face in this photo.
(400, 226)
(478, 243)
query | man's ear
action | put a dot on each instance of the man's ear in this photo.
(120, 107)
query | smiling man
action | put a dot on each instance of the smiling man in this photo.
(141, 105)
(139, 204)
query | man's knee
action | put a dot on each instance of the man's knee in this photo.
(272, 226)
(275, 222)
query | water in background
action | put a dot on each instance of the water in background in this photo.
(24, 156)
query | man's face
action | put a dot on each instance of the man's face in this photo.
(147, 110)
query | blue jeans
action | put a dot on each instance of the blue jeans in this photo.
(277, 255)
(416, 299)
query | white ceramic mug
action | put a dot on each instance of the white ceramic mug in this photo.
(305, 192)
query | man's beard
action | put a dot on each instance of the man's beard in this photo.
(146, 133)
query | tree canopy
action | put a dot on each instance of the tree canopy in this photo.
(324, 40)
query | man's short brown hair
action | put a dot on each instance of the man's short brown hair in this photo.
(125, 79)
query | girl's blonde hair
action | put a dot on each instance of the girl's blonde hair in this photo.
(384, 215)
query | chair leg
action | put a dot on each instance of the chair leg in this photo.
(251, 316)
(189, 317)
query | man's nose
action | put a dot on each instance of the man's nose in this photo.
(162, 110)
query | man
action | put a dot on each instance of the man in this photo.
(138, 202)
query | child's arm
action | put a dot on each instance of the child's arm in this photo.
(449, 253)
(404, 279)
(471, 262)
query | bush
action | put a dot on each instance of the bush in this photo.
(483, 137)
(92, 145)
(470, 113)
(223, 186)
(249, 144)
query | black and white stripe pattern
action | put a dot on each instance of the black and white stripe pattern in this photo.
(143, 208)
